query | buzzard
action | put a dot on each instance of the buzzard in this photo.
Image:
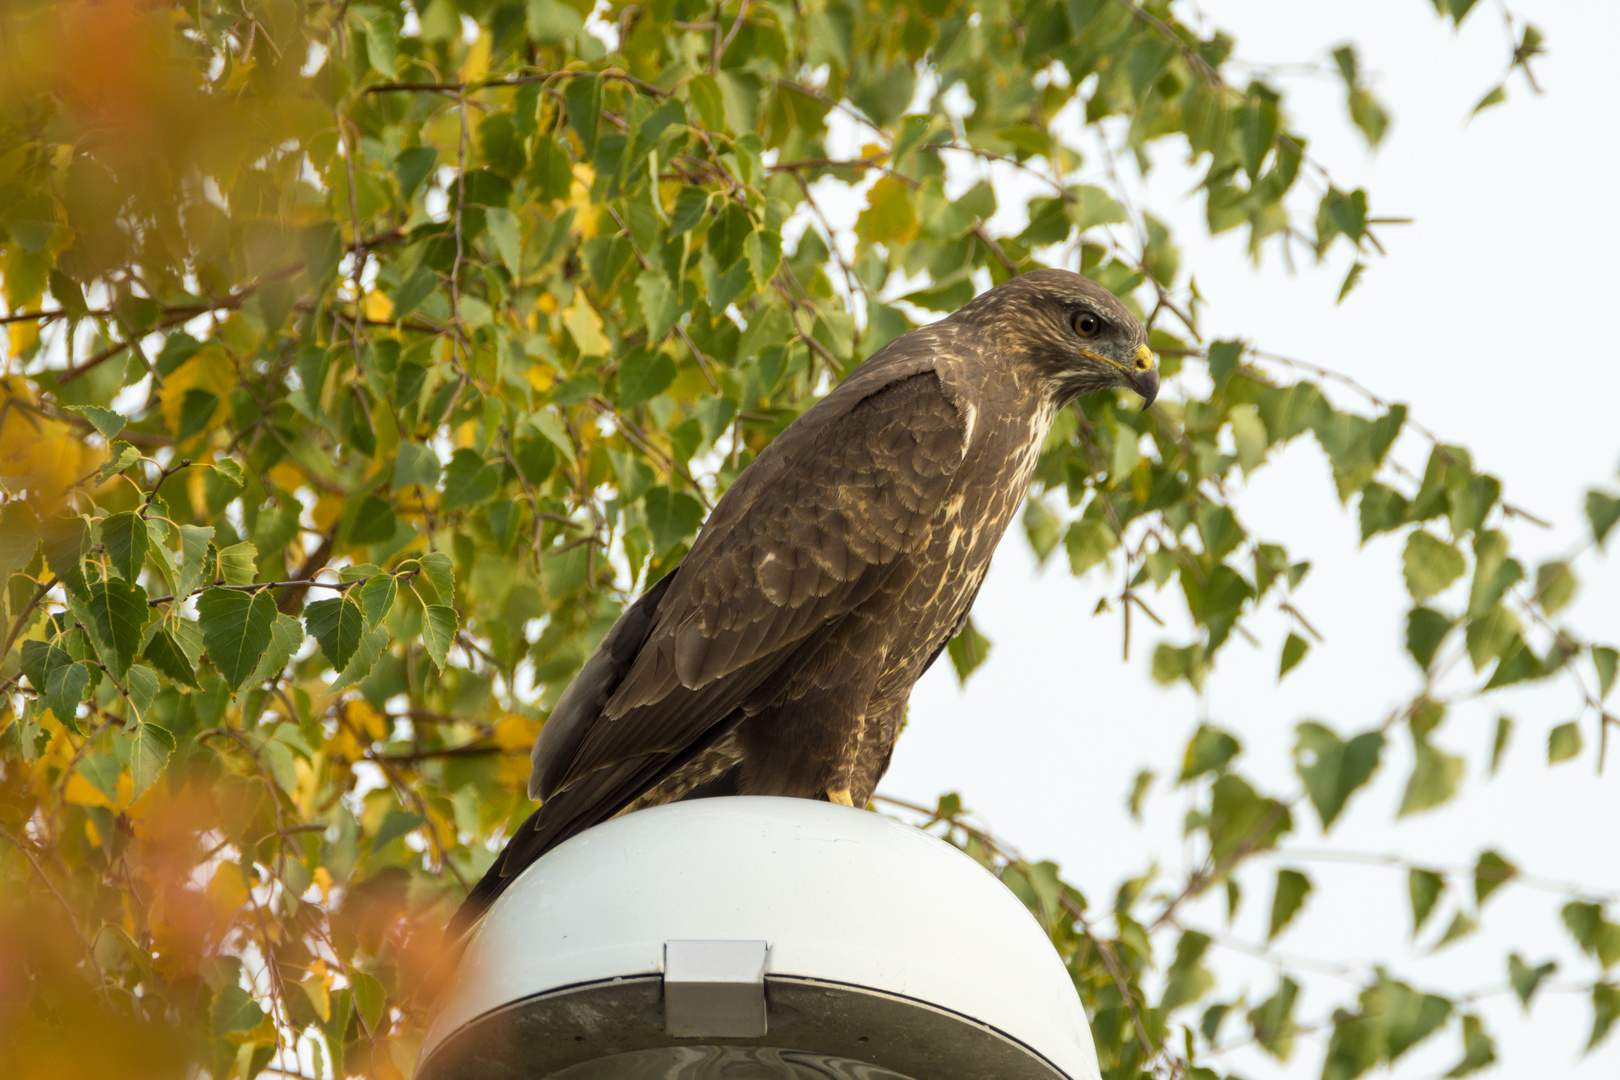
(778, 656)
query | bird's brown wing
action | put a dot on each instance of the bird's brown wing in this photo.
(806, 533)
(809, 530)
(822, 524)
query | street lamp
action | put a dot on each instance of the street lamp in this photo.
(758, 938)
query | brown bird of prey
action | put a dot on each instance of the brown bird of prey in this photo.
(778, 656)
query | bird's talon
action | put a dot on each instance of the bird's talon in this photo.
(841, 797)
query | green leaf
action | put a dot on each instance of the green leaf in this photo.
(468, 481)
(1493, 635)
(660, 304)
(120, 456)
(1242, 821)
(235, 1010)
(1602, 511)
(1564, 742)
(149, 751)
(236, 629)
(381, 29)
(1430, 565)
(968, 649)
(1088, 542)
(126, 539)
(369, 996)
(238, 563)
(1139, 790)
(377, 598)
(672, 516)
(705, 94)
(164, 654)
(1527, 979)
(1292, 889)
(1479, 1050)
(439, 570)
(1425, 630)
(1494, 96)
(105, 421)
(1605, 1010)
(1223, 359)
(373, 522)
(19, 537)
(508, 236)
(1218, 529)
(337, 624)
(582, 100)
(1490, 873)
(415, 465)
(115, 613)
(1499, 741)
(1041, 527)
(1555, 586)
(438, 632)
(1460, 927)
(1333, 769)
(550, 21)
(1592, 932)
(1381, 510)
(1351, 280)
(1293, 651)
(1249, 437)
(1606, 660)
(59, 679)
(1272, 1022)
(763, 250)
(194, 542)
(1094, 206)
(1434, 778)
(66, 538)
(1209, 750)
(286, 635)
(1424, 888)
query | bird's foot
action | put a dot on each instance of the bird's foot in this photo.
(842, 797)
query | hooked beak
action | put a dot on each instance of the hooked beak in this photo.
(1144, 377)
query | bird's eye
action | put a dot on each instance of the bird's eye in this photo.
(1087, 325)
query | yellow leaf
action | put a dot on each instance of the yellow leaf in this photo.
(82, 792)
(515, 732)
(889, 216)
(328, 508)
(512, 772)
(23, 335)
(91, 833)
(476, 66)
(541, 378)
(362, 717)
(585, 326)
(323, 881)
(378, 306)
(208, 369)
(226, 889)
(548, 304)
(314, 988)
(42, 455)
(586, 218)
(288, 475)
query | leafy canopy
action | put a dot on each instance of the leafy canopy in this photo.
(363, 360)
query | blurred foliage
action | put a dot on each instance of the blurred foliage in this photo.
(363, 360)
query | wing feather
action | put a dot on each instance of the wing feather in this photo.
(808, 532)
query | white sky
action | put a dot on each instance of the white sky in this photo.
(1485, 318)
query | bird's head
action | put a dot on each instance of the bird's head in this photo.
(1074, 333)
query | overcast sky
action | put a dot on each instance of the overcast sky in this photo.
(1484, 318)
